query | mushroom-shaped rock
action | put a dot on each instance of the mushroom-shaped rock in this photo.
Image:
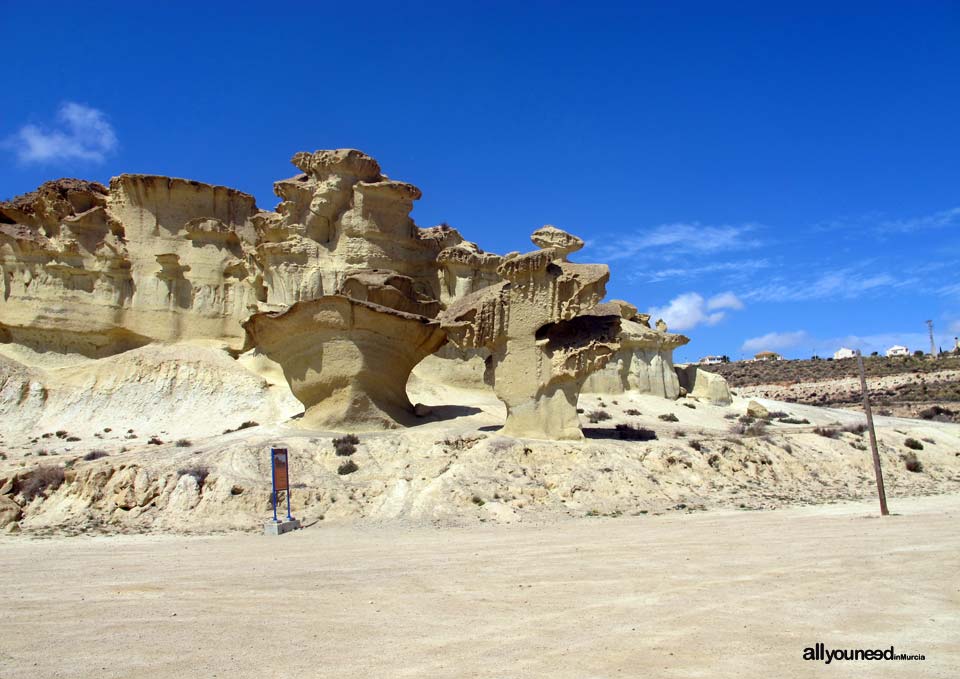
(545, 334)
(643, 364)
(553, 238)
(347, 360)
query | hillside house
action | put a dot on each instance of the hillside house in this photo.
(898, 350)
(844, 352)
(767, 356)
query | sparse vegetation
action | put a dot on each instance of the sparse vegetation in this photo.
(633, 412)
(913, 444)
(94, 455)
(827, 432)
(347, 467)
(668, 417)
(793, 420)
(749, 427)
(73, 439)
(346, 446)
(628, 432)
(857, 428)
(690, 405)
(912, 463)
(154, 441)
(41, 480)
(62, 434)
(199, 472)
(245, 425)
(696, 445)
(184, 443)
(598, 416)
(477, 500)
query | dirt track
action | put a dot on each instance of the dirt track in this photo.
(712, 594)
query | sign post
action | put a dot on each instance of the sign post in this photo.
(280, 477)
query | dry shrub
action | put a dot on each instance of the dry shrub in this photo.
(184, 443)
(857, 428)
(913, 444)
(827, 432)
(696, 445)
(199, 472)
(40, 480)
(95, 455)
(668, 417)
(346, 446)
(598, 416)
(628, 432)
(912, 463)
(793, 420)
(347, 467)
(633, 412)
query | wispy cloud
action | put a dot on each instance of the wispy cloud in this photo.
(879, 223)
(776, 341)
(690, 309)
(738, 269)
(677, 239)
(937, 220)
(81, 133)
(847, 283)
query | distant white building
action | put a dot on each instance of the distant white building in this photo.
(898, 350)
(844, 352)
(767, 356)
(710, 360)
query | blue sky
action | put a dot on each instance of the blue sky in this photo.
(765, 176)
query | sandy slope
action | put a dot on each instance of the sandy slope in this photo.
(721, 594)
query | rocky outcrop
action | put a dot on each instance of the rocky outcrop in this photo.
(644, 362)
(546, 332)
(704, 385)
(98, 271)
(348, 358)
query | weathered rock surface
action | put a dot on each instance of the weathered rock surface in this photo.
(99, 271)
(704, 385)
(644, 362)
(348, 360)
(545, 331)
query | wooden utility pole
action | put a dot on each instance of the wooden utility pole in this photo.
(873, 437)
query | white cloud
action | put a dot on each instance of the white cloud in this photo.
(733, 269)
(776, 341)
(847, 283)
(82, 133)
(678, 239)
(725, 300)
(690, 309)
(937, 220)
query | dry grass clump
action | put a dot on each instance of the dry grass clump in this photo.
(827, 432)
(598, 416)
(155, 441)
(94, 455)
(633, 412)
(857, 428)
(199, 472)
(347, 467)
(696, 445)
(668, 417)
(913, 444)
(747, 426)
(793, 420)
(912, 462)
(184, 443)
(41, 480)
(346, 446)
(628, 432)
(245, 425)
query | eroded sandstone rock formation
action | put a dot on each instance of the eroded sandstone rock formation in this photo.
(97, 271)
(644, 362)
(347, 357)
(337, 284)
(546, 332)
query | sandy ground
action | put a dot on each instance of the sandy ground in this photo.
(717, 594)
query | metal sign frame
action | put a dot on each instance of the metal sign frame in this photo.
(280, 458)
